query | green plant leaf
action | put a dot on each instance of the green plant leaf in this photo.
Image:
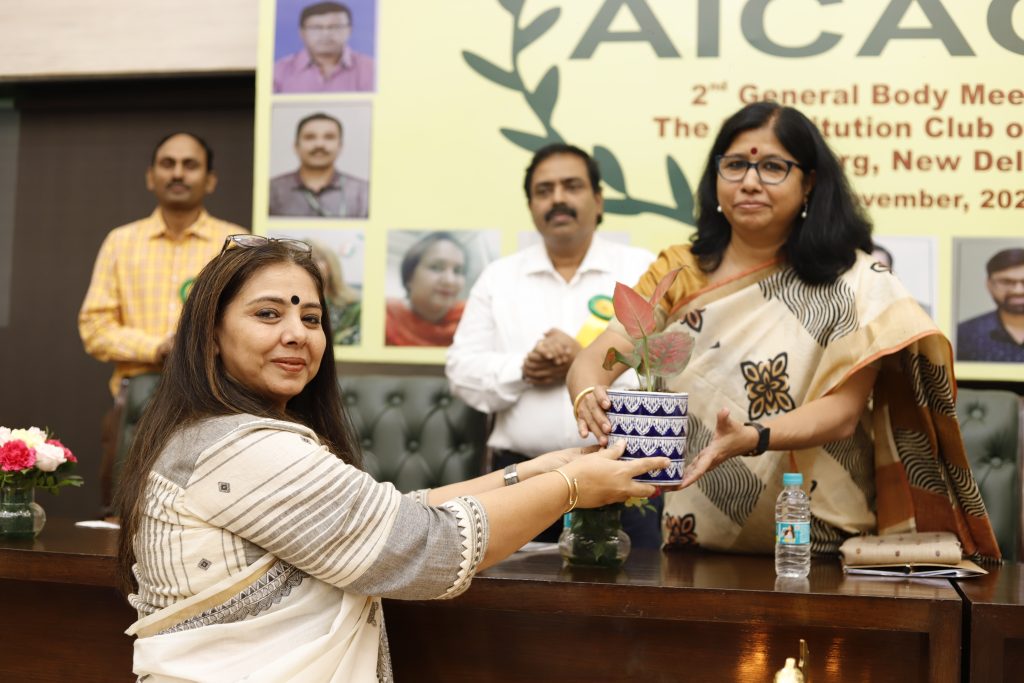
(611, 171)
(669, 352)
(543, 99)
(491, 71)
(527, 141)
(634, 312)
(680, 191)
(535, 29)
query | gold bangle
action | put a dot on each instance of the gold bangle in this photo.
(574, 490)
(576, 401)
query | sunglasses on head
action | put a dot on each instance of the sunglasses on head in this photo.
(246, 241)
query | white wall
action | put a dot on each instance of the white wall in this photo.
(71, 38)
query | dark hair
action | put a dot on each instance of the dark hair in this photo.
(1007, 258)
(414, 254)
(199, 140)
(324, 8)
(319, 116)
(819, 247)
(542, 154)
(195, 385)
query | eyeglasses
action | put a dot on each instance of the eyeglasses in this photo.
(325, 28)
(1007, 282)
(247, 241)
(770, 171)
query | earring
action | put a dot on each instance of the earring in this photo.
(803, 214)
(719, 208)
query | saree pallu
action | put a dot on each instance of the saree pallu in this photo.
(766, 343)
(270, 623)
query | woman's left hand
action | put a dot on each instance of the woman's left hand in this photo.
(552, 461)
(731, 439)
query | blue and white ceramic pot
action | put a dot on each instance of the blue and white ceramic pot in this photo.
(653, 423)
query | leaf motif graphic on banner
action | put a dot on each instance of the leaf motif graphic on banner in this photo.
(513, 6)
(542, 101)
(611, 172)
(545, 96)
(491, 72)
(527, 141)
(535, 29)
(680, 190)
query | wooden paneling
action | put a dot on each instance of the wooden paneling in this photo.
(83, 151)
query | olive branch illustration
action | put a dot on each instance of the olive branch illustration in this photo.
(542, 100)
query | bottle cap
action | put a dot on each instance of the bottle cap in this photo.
(792, 479)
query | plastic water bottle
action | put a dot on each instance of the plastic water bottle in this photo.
(792, 528)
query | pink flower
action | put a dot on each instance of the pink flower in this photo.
(15, 456)
(67, 452)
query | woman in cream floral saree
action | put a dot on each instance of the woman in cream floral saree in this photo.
(809, 356)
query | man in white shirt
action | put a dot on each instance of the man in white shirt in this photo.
(518, 333)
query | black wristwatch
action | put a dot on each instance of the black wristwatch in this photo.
(763, 433)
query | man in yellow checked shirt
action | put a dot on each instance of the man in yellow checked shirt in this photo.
(530, 313)
(144, 269)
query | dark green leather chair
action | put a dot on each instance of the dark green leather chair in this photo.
(137, 394)
(991, 424)
(413, 432)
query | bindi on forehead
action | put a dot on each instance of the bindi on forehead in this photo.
(753, 150)
(295, 299)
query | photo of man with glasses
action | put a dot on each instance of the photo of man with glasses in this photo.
(998, 336)
(327, 63)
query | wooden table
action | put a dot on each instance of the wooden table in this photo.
(61, 616)
(668, 617)
(679, 616)
(995, 617)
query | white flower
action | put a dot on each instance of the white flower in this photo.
(5, 435)
(33, 436)
(49, 457)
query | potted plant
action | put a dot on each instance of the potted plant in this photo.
(650, 420)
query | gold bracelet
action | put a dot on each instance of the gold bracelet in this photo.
(576, 401)
(574, 490)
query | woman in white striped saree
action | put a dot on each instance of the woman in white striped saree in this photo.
(809, 356)
(253, 545)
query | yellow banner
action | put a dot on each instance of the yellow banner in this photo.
(921, 99)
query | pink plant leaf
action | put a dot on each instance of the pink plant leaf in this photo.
(669, 352)
(663, 286)
(633, 311)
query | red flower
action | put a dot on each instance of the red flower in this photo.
(67, 452)
(15, 456)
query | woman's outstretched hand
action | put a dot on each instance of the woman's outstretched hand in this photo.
(731, 439)
(591, 417)
(553, 460)
(604, 479)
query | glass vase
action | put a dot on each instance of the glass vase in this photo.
(20, 515)
(594, 538)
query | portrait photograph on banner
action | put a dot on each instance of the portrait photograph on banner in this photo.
(989, 293)
(325, 46)
(339, 253)
(320, 160)
(429, 275)
(912, 260)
